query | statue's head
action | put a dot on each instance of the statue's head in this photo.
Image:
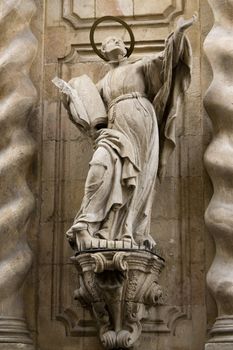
(113, 48)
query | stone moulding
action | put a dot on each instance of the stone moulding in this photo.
(14, 330)
(218, 161)
(18, 97)
(222, 330)
(118, 287)
(171, 10)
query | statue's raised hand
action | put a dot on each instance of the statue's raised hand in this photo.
(183, 24)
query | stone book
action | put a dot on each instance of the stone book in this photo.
(85, 102)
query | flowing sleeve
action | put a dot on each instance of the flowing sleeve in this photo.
(175, 79)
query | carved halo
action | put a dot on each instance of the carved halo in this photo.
(116, 19)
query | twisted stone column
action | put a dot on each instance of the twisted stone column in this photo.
(219, 164)
(17, 98)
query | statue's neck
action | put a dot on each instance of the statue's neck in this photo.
(119, 62)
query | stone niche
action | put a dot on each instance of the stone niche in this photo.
(182, 318)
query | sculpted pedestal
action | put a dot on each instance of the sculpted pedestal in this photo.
(118, 287)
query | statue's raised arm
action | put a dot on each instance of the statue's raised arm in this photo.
(175, 75)
(178, 35)
(183, 24)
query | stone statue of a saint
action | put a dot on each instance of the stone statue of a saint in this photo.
(132, 141)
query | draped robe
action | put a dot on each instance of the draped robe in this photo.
(139, 97)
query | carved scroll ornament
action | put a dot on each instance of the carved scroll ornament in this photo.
(118, 288)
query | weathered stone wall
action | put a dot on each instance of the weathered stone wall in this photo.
(62, 28)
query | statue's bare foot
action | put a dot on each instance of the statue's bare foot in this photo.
(129, 243)
(149, 244)
(84, 241)
(81, 240)
(70, 235)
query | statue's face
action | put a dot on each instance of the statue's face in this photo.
(113, 48)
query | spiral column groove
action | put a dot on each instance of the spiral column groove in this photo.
(17, 97)
(219, 164)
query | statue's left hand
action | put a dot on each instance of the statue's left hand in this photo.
(183, 24)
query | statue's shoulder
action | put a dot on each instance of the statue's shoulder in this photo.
(136, 60)
(153, 57)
